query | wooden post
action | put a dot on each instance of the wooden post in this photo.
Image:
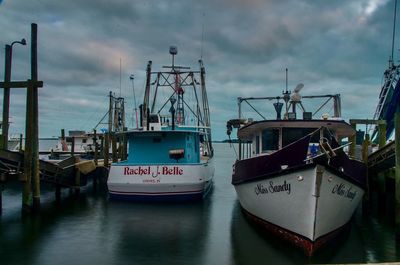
(35, 110)
(382, 134)
(77, 181)
(106, 148)
(352, 139)
(381, 178)
(31, 154)
(21, 137)
(364, 154)
(73, 146)
(95, 157)
(1, 199)
(101, 151)
(397, 170)
(6, 97)
(114, 148)
(2, 179)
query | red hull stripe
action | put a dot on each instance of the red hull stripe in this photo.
(155, 193)
(306, 244)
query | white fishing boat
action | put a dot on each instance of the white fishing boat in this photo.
(170, 155)
(293, 177)
(82, 141)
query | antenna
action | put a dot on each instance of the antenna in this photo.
(394, 32)
(202, 37)
(286, 96)
(173, 50)
(286, 79)
(120, 76)
(132, 78)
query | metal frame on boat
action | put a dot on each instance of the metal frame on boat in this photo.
(170, 157)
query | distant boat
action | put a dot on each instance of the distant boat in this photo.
(170, 157)
(293, 177)
(83, 142)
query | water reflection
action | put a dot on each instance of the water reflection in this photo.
(252, 245)
(153, 233)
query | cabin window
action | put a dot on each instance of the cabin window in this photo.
(84, 141)
(257, 144)
(290, 135)
(153, 119)
(270, 139)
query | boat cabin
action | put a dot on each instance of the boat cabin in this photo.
(265, 137)
(183, 145)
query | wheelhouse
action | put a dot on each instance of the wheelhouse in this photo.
(265, 137)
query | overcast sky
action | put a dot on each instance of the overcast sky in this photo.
(340, 46)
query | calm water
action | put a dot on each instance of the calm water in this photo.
(91, 229)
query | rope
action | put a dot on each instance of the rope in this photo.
(232, 146)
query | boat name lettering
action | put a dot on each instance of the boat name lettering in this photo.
(342, 190)
(160, 170)
(137, 171)
(272, 188)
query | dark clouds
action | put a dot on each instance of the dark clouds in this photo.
(333, 46)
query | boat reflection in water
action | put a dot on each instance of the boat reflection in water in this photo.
(150, 232)
(251, 244)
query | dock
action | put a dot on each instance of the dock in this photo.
(73, 171)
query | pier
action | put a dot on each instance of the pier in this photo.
(69, 170)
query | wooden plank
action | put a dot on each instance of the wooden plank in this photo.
(21, 84)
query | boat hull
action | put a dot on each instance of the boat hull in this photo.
(307, 206)
(166, 182)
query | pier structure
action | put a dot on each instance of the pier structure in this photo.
(31, 154)
(25, 166)
(383, 167)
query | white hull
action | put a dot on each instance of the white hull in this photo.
(145, 181)
(297, 202)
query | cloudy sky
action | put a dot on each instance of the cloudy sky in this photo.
(340, 46)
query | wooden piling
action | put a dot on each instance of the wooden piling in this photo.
(106, 148)
(35, 133)
(95, 156)
(77, 181)
(101, 148)
(21, 137)
(352, 139)
(73, 146)
(397, 170)
(6, 97)
(114, 148)
(2, 179)
(364, 155)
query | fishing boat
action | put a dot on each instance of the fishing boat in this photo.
(170, 155)
(293, 176)
(82, 142)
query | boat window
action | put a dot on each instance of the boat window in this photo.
(257, 144)
(153, 118)
(270, 139)
(84, 141)
(290, 135)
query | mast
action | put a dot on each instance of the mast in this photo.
(391, 60)
(286, 96)
(146, 95)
